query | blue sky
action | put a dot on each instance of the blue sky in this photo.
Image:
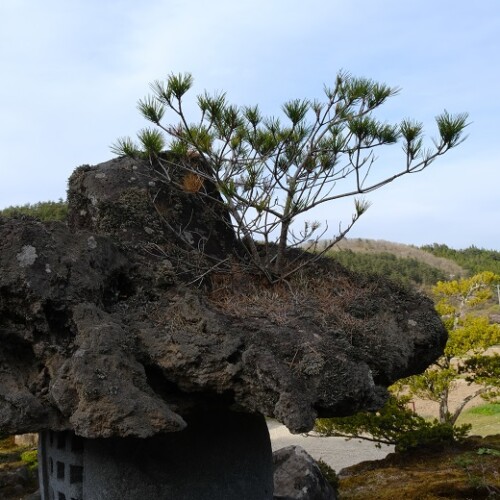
(73, 70)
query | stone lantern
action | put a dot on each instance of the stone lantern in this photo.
(148, 367)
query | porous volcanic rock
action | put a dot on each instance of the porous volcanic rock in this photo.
(297, 476)
(112, 324)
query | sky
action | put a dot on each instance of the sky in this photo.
(72, 72)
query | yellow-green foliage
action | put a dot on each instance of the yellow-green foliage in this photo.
(454, 298)
(469, 336)
(30, 458)
(43, 210)
(468, 333)
(473, 334)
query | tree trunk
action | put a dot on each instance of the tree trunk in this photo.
(461, 406)
(444, 414)
(280, 257)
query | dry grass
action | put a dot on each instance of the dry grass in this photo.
(192, 183)
(323, 295)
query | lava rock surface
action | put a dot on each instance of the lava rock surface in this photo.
(124, 320)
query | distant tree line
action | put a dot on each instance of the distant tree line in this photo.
(43, 210)
(475, 260)
(404, 270)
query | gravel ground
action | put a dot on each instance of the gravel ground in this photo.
(336, 452)
(339, 453)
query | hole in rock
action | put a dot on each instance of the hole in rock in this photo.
(118, 288)
(58, 319)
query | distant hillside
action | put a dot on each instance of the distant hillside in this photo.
(473, 259)
(448, 268)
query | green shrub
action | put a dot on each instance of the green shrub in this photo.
(488, 451)
(329, 474)
(395, 424)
